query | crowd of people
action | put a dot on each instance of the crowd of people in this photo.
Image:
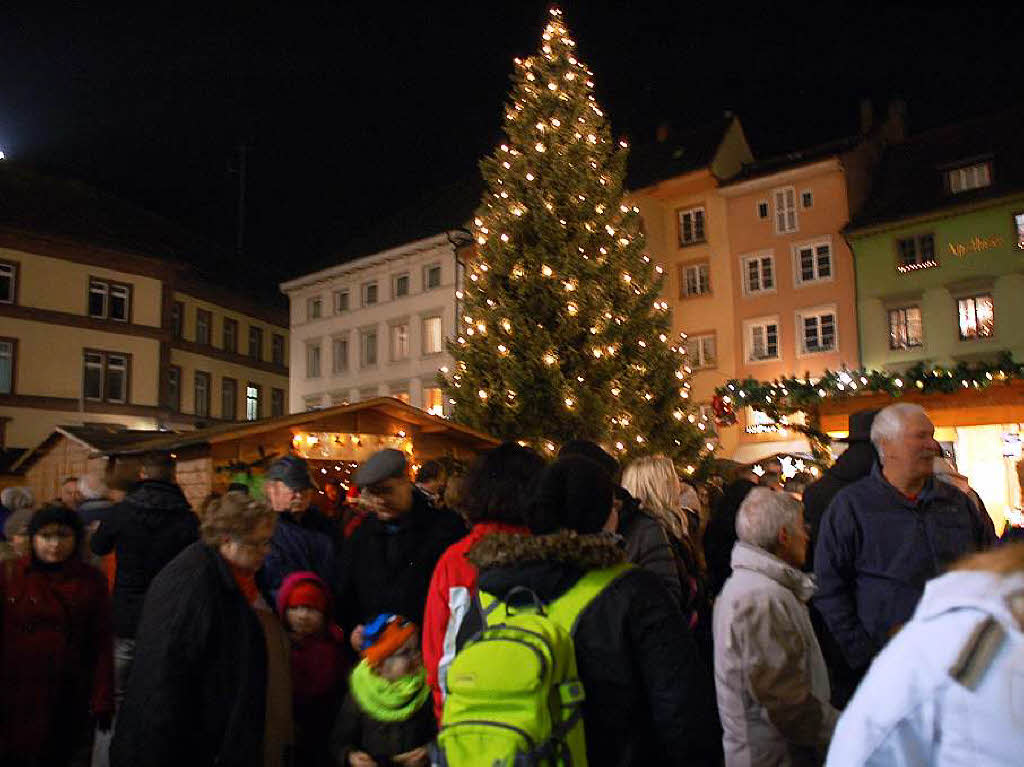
(517, 608)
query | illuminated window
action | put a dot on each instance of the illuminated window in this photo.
(433, 335)
(762, 340)
(433, 400)
(252, 402)
(977, 318)
(969, 177)
(1018, 229)
(915, 253)
(905, 328)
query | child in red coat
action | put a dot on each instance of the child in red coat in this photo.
(320, 663)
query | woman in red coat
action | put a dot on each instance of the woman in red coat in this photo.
(56, 647)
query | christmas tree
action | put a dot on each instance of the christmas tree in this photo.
(562, 332)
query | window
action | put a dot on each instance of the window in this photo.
(691, 226)
(432, 277)
(701, 350)
(203, 323)
(817, 329)
(977, 318)
(109, 300)
(813, 262)
(313, 308)
(762, 209)
(313, 360)
(276, 348)
(433, 400)
(106, 377)
(276, 402)
(759, 274)
(762, 340)
(785, 210)
(340, 301)
(905, 329)
(339, 354)
(178, 319)
(915, 253)
(1018, 230)
(368, 348)
(369, 294)
(969, 177)
(252, 402)
(230, 335)
(433, 335)
(401, 287)
(202, 394)
(256, 343)
(695, 280)
(7, 347)
(313, 402)
(806, 199)
(8, 282)
(174, 388)
(400, 342)
(229, 399)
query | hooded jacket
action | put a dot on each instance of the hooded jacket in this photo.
(770, 677)
(947, 689)
(647, 545)
(197, 693)
(636, 658)
(876, 550)
(148, 529)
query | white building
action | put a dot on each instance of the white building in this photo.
(376, 325)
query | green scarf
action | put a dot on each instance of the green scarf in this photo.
(388, 701)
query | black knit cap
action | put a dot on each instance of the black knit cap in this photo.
(574, 493)
(57, 514)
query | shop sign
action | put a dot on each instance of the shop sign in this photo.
(976, 245)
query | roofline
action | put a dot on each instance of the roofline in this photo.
(733, 119)
(792, 173)
(408, 249)
(217, 434)
(866, 230)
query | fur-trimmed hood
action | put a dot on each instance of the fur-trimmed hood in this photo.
(583, 552)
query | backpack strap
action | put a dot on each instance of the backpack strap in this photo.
(567, 609)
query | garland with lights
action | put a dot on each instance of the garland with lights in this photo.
(562, 332)
(782, 397)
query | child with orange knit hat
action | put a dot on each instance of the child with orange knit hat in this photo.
(386, 718)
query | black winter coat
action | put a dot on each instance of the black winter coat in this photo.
(646, 700)
(647, 546)
(355, 730)
(146, 530)
(721, 534)
(197, 691)
(386, 566)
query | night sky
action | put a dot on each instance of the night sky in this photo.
(364, 122)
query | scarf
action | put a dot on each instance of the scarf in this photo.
(388, 701)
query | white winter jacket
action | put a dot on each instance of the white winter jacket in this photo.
(949, 688)
(770, 678)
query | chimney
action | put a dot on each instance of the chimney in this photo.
(867, 116)
(661, 132)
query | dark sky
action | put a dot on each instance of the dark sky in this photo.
(359, 112)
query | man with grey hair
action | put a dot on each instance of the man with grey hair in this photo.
(885, 535)
(770, 678)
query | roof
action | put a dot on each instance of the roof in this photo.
(795, 159)
(101, 438)
(10, 456)
(228, 432)
(678, 154)
(909, 180)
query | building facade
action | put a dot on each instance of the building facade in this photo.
(675, 184)
(940, 274)
(377, 325)
(89, 335)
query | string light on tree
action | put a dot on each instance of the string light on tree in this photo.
(566, 269)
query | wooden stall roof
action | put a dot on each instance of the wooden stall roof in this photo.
(101, 438)
(315, 420)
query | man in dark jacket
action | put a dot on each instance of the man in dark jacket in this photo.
(148, 529)
(304, 539)
(720, 536)
(389, 559)
(884, 536)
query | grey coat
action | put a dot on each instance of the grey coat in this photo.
(770, 678)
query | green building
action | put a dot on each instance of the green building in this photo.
(939, 264)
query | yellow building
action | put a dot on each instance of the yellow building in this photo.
(675, 184)
(96, 332)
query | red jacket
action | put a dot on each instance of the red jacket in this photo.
(56, 657)
(449, 596)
